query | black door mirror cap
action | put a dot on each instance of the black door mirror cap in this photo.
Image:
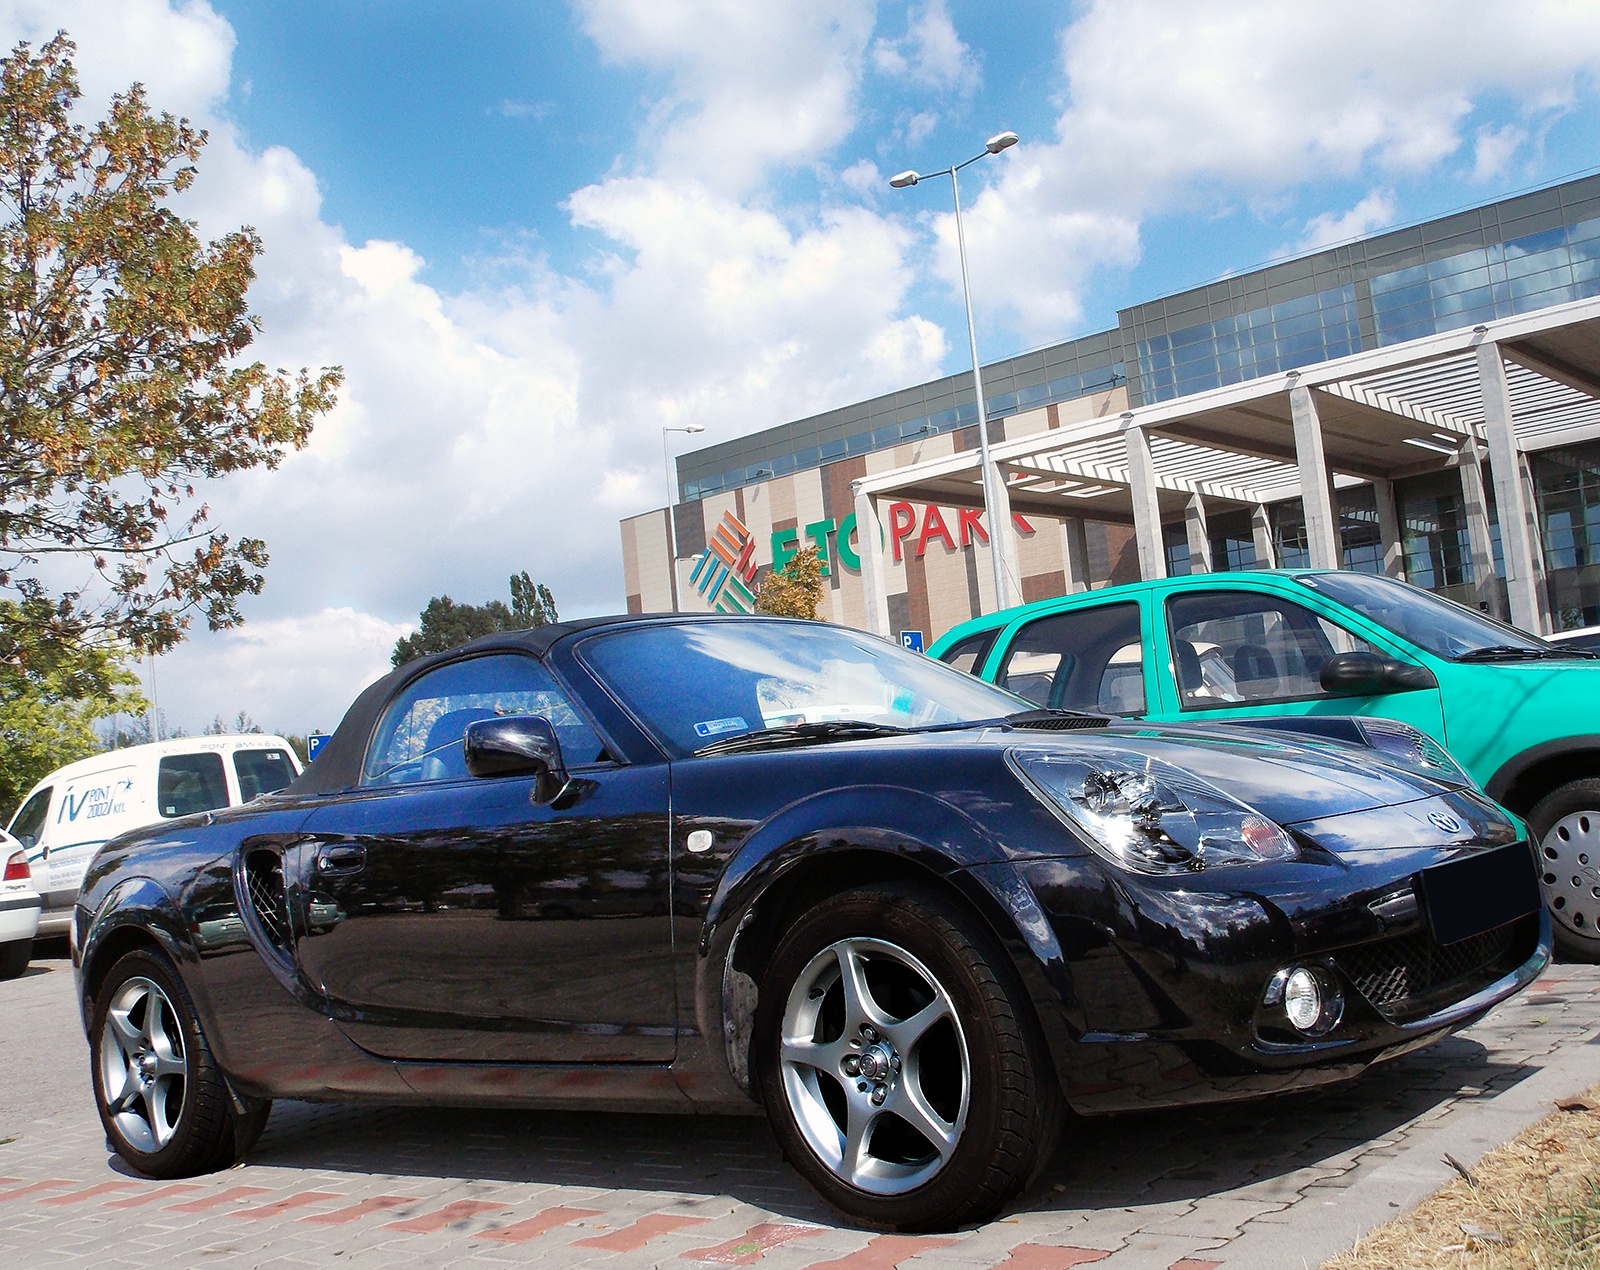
(1362, 674)
(517, 745)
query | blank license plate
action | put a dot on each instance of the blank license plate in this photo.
(1467, 897)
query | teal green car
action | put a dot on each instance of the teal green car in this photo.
(1522, 716)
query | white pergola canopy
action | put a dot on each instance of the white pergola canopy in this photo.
(1505, 387)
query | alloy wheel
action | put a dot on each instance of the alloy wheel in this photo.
(875, 1065)
(143, 1070)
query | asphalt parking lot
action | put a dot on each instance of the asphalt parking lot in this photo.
(1282, 1183)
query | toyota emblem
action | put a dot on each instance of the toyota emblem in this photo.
(1444, 823)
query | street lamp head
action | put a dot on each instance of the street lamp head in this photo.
(904, 179)
(694, 427)
(1002, 141)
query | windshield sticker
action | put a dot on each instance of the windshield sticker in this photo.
(716, 727)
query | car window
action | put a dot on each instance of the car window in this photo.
(1244, 647)
(969, 654)
(1088, 659)
(1428, 621)
(190, 783)
(698, 684)
(27, 823)
(419, 738)
(261, 772)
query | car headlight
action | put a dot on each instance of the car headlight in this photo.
(1147, 815)
(1414, 750)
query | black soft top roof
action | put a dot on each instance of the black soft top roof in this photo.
(338, 765)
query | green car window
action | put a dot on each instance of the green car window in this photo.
(1429, 621)
(1089, 659)
(1246, 647)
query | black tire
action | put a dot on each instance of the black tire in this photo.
(14, 957)
(176, 1119)
(998, 1133)
(1565, 828)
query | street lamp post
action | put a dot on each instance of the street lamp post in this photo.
(995, 144)
(672, 497)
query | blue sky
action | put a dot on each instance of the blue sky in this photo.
(535, 234)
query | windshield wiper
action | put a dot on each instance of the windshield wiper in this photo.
(1507, 652)
(800, 734)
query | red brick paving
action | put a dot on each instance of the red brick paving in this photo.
(749, 1247)
(264, 1211)
(230, 1196)
(1050, 1257)
(883, 1252)
(78, 1197)
(50, 1184)
(636, 1236)
(536, 1225)
(150, 1197)
(461, 1210)
(355, 1212)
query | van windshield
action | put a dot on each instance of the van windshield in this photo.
(261, 772)
(1429, 621)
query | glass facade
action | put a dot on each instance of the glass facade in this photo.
(1230, 349)
(1493, 281)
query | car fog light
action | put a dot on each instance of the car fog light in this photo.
(1302, 999)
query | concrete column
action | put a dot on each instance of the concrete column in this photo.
(1146, 507)
(1003, 537)
(1394, 556)
(869, 546)
(1075, 554)
(1481, 544)
(1316, 486)
(1261, 531)
(1194, 525)
(1518, 542)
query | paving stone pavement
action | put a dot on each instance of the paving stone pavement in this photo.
(1280, 1183)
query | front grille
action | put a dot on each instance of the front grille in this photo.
(1390, 972)
(263, 879)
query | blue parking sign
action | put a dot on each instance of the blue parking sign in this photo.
(911, 640)
(314, 744)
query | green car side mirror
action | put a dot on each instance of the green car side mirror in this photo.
(1371, 675)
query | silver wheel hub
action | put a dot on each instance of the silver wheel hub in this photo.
(875, 1066)
(142, 1067)
(1570, 859)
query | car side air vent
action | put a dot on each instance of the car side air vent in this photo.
(1057, 721)
(263, 879)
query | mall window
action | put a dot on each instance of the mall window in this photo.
(1433, 535)
(1566, 486)
(1359, 535)
(1233, 542)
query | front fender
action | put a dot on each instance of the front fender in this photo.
(904, 824)
(144, 904)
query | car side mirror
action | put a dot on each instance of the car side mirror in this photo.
(1372, 674)
(517, 745)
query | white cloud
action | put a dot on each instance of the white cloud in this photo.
(930, 53)
(1373, 212)
(509, 427)
(752, 84)
(1494, 149)
(1188, 103)
(337, 652)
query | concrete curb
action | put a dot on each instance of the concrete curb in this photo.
(1318, 1229)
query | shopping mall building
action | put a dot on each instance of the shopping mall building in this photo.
(1424, 403)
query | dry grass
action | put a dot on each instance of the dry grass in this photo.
(1536, 1204)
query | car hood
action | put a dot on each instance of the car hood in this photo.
(1283, 778)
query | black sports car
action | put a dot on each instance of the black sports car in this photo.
(708, 863)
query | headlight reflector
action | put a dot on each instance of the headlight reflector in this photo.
(1148, 816)
(1302, 999)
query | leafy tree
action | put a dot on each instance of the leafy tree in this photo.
(122, 381)
(446, 624)
(794, 590)
(48, 712)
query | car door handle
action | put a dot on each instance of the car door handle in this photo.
(343, 857)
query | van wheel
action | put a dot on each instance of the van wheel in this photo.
(1566, 825)
(160, 1096)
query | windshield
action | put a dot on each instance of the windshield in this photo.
(697, 683)
(1427, 620)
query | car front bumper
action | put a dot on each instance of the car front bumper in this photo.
(1164, 990)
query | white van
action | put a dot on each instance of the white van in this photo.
(77, 808)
